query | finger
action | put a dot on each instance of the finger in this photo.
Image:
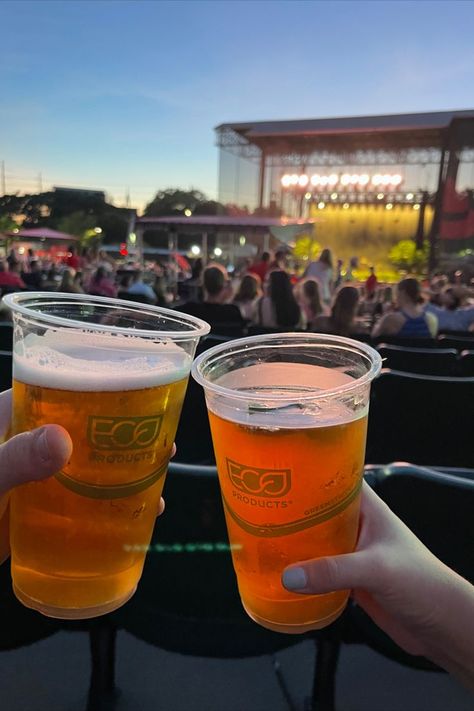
(324, 575)
(173, 450)
(161, 506)
(33, 455)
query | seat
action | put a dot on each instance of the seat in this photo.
(421, 419)
(408, 342)
(466, 363)
(187, 600)
(425, 500)
(6, 335)
(460, 343)
(426, 361)
(136, 298)
(5, 370)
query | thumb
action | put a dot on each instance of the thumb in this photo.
(324, 575)
(33, 455)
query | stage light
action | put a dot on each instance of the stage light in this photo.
(188, 212)
(354, 179)
(345, 179)
(321, 205)
(303, 181)
(389, 206)
(333, 179)
(416, 207)
(396, 179)
(324, 180)
(333, 196)
(386, 179)
(242, 240)
(346, 206)
(363, 179)
(376, 179)
(410, 196)
(380, 196)
(286, 181)
(307, 196)
(315, 179)
(196, 250)
(294, 179)
(217, 252)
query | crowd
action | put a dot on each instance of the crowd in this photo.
(263, 294)
(267, 295)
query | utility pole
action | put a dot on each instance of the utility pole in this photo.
(4, 187)
(127, 197)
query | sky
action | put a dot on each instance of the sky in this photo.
(124, 96)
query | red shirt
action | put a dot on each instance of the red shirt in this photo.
(371, 283)
(11, 279)
(260, 269)
(73, 261)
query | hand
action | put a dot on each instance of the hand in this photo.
(424, 606)
(31, 455)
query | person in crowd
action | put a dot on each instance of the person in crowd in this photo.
(248, 293)
(139, 288)
(215, 308)
(338, 274)
(395, 579)
(261, 266)
(280, 261)
(409, 320)
(10, 279)
(322, 271)
(160, 289)
(452, 313)
(34, 278)
(105, 261)
(68, 283)
(385, 302)
(278, 308)
(393, 576)
(101, 284)
(73, 260)
(371, 282)
(307, 295)
(53, 279)
(342, 320)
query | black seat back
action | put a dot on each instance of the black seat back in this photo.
(421, 419)
(466, 363)
(426, 361)
(5, 370)
(6, 336)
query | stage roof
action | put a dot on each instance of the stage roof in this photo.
(221, 222)
(418, 130)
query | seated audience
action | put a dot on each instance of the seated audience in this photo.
(343, 318)
(214, 308)
(452, 315)
(139, 288)
(410, 320)
(69, 284)
(247, 295)
(101, 284)
(279, 308)
(307, 295)
(34, 278)
(9, 279)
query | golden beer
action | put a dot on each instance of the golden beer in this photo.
(79, 539)
(290, 464)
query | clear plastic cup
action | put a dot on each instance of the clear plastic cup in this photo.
(288, 417)
(114, 374)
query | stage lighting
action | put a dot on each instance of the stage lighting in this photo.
(307, 196)
(396, 179)
(286, 181)
(345, 179)
(321, 205)
(416, 207)
(410, 196)
(380, 196)
(303, 181)
(333, 196)
(363, 179)
(345, 206)
(315, 179)
(333, 179)
(389, 206)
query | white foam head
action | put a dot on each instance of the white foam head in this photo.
(94, 362)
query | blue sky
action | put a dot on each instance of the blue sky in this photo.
(113, 95)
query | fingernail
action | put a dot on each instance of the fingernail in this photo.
(294, 578)
(42, 445)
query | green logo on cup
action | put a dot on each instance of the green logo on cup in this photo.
(123, 432)
(258, 481)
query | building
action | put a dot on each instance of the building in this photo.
(372, 180)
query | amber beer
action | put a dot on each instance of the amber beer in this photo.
(79, 539)
(289, 448)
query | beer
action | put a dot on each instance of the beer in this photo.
(289, 437)
(79, 539)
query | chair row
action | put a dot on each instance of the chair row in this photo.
(199, 613)
(428, 361)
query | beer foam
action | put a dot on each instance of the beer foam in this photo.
(295, 381)
(97, 362)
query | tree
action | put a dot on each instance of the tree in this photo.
(306, 248)
(405, 255)
(77, 223)
(7, 224)
(174, 201)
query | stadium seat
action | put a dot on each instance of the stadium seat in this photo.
(5, 370)
(461, 343)
(6, 335)
(426, 361)
(421, 419)
(466, 363)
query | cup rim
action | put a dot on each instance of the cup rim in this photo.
(325, 339)
(15, 303)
